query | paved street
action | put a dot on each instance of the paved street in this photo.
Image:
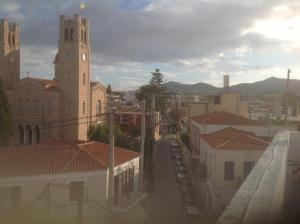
(164, 205)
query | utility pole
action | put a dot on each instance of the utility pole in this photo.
(287, 95)
(111, 153)
(143, 130)
(150, 164)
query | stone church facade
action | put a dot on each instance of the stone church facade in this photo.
(63, 107)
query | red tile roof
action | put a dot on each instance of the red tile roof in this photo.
(231, 138)
(100, 151)
(225, 118)
(58, 157)
(45, 160)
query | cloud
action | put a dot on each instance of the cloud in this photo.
(130, 38)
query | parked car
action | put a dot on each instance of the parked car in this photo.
(178, 162)
(180, 168)
(181, 176)
(176, 155)
(191, 215)
(173, 144)
(174, 149)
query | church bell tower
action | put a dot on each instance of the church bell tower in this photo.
(72, 72)
(9, 54)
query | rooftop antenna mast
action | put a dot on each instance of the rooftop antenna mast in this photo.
(287, 94)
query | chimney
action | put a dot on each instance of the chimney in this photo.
(226, 81)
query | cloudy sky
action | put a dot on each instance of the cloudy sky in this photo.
(189, 40)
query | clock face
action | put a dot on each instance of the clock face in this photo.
(67, 55)
(83, 57)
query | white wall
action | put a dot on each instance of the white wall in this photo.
(222, 190)
(268, 131)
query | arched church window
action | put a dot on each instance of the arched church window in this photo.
(71, 33)
(98, 107)
(85, 36)
(13, 39)
(9, 38)
(66, 34)
(83, 107)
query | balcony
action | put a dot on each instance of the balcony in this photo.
(271, 192)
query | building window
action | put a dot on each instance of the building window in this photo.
(83, 107)
(127, 177)
(13, 39)
(71, 33)
(248, 165)
(66, 34)
(98, 107)
(10, 199)
(76, 191)
(229, 170)
(217, 100)
(83, 78)
(84, 33)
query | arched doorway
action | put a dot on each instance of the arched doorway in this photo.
(38, 134)
(21, 134)
(29, 135)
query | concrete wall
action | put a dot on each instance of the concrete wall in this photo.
(34, 201)
(261, 197)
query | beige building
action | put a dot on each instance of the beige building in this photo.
(61, 108)
(228, 101)
(227, 155)
(47, 181)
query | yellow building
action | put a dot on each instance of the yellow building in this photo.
(61, 108)
(228, 101)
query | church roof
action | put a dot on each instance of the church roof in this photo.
(94, 84)
(49, 85)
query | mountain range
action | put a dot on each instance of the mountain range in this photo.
(268, 85)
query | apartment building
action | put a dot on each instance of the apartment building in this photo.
(228, 155)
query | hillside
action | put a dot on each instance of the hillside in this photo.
(272, 84)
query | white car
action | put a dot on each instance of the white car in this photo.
(191, 215)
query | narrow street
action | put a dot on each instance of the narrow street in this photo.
(164, 205)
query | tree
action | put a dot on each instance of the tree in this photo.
(100, 133)
(5, 117)
(157, 88)
(109, 89)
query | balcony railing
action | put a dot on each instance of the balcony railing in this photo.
(266, 193)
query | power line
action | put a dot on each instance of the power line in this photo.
(48, 125)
